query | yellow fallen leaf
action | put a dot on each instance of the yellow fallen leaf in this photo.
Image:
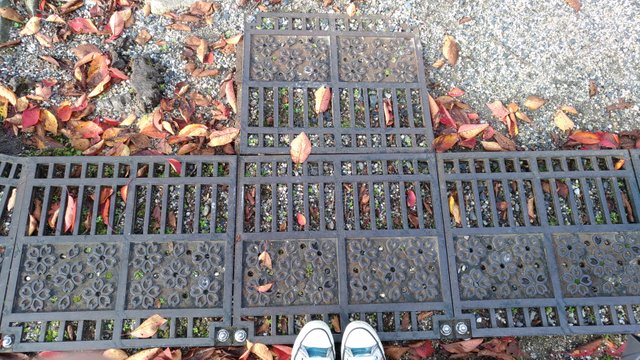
(31, 27)
(450, 50)
(8, 94)
(534, 102)
(223, 137)
(491, 146)
(50, 121)
(454, 208)
(562, 121)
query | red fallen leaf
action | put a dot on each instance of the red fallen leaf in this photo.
(468, 131)
(70, 214)
(88, 129)
(445, 118)
(82, 26)
(445, 142)
(488, 133)
(117, 74)
(608, 140)
(473, 116)
(468, 143)
(30, 117)
(462, 347)
(584, 137)
(498, 110)
(388, 112)
(104, 212)
(282, 351)
(455, 92)
(411, 198)
(612, 350)
(424, 350)
(586, 349)
(116, 23)
(176, 165)
(209, 58)
(301, 219)
(264, 288)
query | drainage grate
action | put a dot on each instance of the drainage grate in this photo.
(150, 235)
(379, 97)
(546, 242)
(326, 224)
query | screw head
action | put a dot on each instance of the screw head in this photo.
(7, 341)
(223, 335)
(446, 330)
(462, 328)
(240, 335)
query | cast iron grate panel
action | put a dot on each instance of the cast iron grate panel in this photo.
(357, 212)
(152, 235)
(368, 63)
(547, 242)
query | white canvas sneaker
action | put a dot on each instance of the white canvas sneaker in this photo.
(314, 342)
(361, 342)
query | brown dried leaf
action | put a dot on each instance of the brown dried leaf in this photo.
(265, 259)
(10, 14)
(438, 63)
(569, 109)
(323, 99)
(148, 354)
(462, 347)
(143, 37)
(12, 200)
(388, 112)
(465, 19)
(33, 224)
(179, 27)
(575, 4)
(395, 352)
(201, 50)
(504, 142)
(49, 120)
(234, 40)
(300, 148)
(194, 130)
(593, 88)
(10, 43)
(450, 50)
(498, 110)
(433, 108)
(230, 93)
(534, 102)
(622, 104)
(31, 27)
(149, 327)
(531, 208)
(627, 207)
(562, 121)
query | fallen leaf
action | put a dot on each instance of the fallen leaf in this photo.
(593, 88)
(608, 140)
(201, 49)
(178, 27)
(534, 102)
(498, 110)
(8, 94)
(223, 137)
(33, 225)
(462, 347)
(31, 27)
(82, 26)
(395, 352)
(282, 351)
(531, 208)
(445, 142)
(587, 349)
(628, 208)
(264, 288)
(562, 189)
(465, 19)
(491, 146)
(70, 214)
(30, 117)
(143, 37)
(194, 130)
(301, 219)
(114, 354)
(584, 137)
(50, 121)
(54, 18)
(265, 259)
(234, 40)
(575, 4)
(261, 351)
(12, 200)
(10, 43)
(176, 165)
(10, 14)
(424, 349)
(504, 142)
(147, 354)
(124, 190)
(454, 208)
(116, 23)
(433, 108)
(335, 323)
(323, 99)
(619, 164)
(450, 50)
(562, 121)
(87, 129)
(149, 327)
(622, 104)
(468, 131)
(455, 92)
(439, 63)
(388, 112)
(411, 198)
(351, 9)
(300, 148)
(231, 95)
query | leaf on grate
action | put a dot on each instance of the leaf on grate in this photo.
(462, 347)
(223, 137)
(562, 121)
(265, 259)
(575, 4)
(176, 165)
(148, 354)
(300, 148)
(70, 214)
(33, 224)
(454, 208)
(115, 354)
(12, 200)
(264, 288)
(149, 327)
(450, 50)
(619, 164)
(531, 209)
(468, 131)
(322, 99)
(388, 112)
(124, 190)
(562, 189)
(283, 352)
(608, 140)
(411, 198)
(445, 142)
(628, 208)
(301, 219)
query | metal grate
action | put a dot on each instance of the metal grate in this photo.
(288, 57)
(328, 267)
(146, 240)
(546, 243)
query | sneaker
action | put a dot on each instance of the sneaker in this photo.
(314, 342)
(361, 342)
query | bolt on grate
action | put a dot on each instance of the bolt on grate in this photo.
(325, 225)
(378, 98)
(544, 243)
(116, 241)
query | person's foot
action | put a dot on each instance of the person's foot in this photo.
(360, 341)
(314, 342)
